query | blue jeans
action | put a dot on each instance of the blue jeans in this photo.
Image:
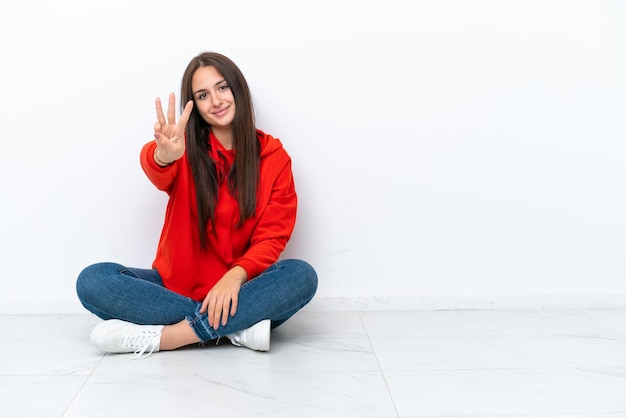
(112, 291)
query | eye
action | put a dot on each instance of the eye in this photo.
(223, 87)
(201, 96)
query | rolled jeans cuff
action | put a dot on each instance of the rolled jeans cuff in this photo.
(200, 324)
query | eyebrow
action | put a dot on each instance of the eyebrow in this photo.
(214, 85)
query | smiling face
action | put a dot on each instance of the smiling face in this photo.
(213, 98)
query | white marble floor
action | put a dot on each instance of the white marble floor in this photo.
(332, 364)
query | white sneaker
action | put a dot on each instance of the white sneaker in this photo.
(257, 337)
(116, 336)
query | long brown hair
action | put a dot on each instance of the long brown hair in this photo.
(243, 176)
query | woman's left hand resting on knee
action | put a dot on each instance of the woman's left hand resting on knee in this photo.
(223, 298)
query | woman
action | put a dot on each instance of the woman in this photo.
(231, 210)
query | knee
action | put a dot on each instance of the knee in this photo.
(91, 280)
(311, 278)
(306, 276)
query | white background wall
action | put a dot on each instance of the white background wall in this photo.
(446, 153)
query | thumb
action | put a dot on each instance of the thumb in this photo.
(205, 304)
(157, 132)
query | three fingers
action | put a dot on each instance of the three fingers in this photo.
(171, 112)
(167, 125)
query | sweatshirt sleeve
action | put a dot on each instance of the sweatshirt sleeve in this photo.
(274, 228)
(161, 177)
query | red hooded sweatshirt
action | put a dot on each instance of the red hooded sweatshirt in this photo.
(187, 269)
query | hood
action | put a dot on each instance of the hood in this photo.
(268, 143)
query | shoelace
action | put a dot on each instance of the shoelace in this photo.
(142, 342)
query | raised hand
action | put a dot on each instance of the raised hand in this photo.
(169, 135)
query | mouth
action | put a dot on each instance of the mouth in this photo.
(221, 112)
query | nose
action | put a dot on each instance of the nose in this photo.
(216, 100)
